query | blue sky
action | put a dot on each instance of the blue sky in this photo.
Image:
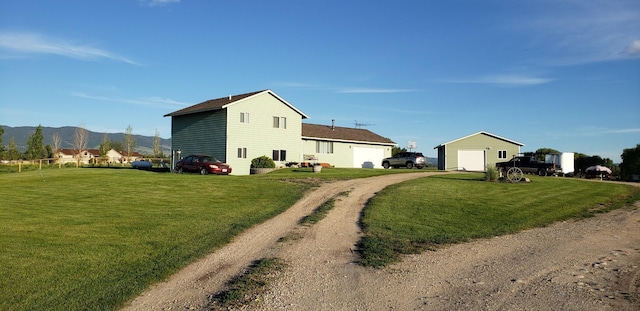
(562, 74)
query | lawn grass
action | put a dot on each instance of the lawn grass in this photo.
(93, 238)
(423, 213)
(77, 239)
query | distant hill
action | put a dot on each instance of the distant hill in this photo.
(144, 144)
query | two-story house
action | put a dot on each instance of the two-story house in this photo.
(238, 128)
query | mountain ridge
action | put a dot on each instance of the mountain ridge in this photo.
(144, 144)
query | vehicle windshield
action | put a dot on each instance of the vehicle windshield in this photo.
(209, 159)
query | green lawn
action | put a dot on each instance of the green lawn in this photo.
(420, 214)
(92, 239)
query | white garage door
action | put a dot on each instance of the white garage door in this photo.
(471, 160)
(367, 157)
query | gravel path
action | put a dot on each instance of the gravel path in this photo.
(590, 264)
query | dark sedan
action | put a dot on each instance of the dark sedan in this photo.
(202, 164)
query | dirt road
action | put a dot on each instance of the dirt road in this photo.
(573, 265)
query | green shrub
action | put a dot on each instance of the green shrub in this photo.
(491, 174)
(262, 162)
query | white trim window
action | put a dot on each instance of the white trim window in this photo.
(279, 155)
(502, 154)
(280, 122)
(244, 117)
(324, 147)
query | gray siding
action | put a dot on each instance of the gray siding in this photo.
(200, 133)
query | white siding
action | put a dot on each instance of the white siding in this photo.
(259, 135)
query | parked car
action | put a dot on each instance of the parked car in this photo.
(141, 164)
(202, 164)
(406, 159)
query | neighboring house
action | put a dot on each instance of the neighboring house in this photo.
(239, 128)
(476, 151)
(114, 156)
(344, 147)
(66, 156)
(70, 155)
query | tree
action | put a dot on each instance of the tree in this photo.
(80, 141)
(129, 141)
(35, 147)
(1, 144)
(57, 142)
(12, 152)
(156, 145)
(105, 145)
(397, 149)
(541, 152)
(630, 162)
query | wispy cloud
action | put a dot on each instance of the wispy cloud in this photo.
(580, 32)
(344, 90)
(31, 43)
(633, 49)
(374, 90)
(159, 2)
(156, 102)
(503, 79)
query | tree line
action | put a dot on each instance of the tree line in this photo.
(37, 150)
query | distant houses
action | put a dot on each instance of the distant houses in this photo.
(93, 156)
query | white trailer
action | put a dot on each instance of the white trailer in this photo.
(565, 160)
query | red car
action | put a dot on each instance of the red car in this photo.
(202, 164)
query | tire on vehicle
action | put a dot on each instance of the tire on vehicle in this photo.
(203, 171)
(542, 172)
(409, 165)
(385, 165)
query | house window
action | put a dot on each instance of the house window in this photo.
(279, 155)
(244, 117)
(324, 147)
(502, 154)
(280, 122)
(242, 153)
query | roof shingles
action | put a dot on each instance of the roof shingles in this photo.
(342, 133)
(212, 104)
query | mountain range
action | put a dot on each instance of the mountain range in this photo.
(144, 144)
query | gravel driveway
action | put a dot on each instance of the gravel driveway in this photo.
(589, 264)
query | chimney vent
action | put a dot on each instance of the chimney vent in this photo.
(333, 124)
(229, 97)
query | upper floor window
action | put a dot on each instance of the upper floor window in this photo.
(244, 117)
(502, 154)
(280, 122)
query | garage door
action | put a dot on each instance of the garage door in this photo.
(471, 160)
(367, 157)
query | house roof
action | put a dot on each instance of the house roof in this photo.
(224, 102)
(481, 133)
(337, 133)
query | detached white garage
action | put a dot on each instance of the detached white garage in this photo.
(471, 160)
(344, 146)
(476, 151)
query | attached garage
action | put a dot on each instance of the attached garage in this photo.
(367, 157)
(476, 151)
(345, 147)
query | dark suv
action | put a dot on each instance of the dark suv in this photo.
(406, 159)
